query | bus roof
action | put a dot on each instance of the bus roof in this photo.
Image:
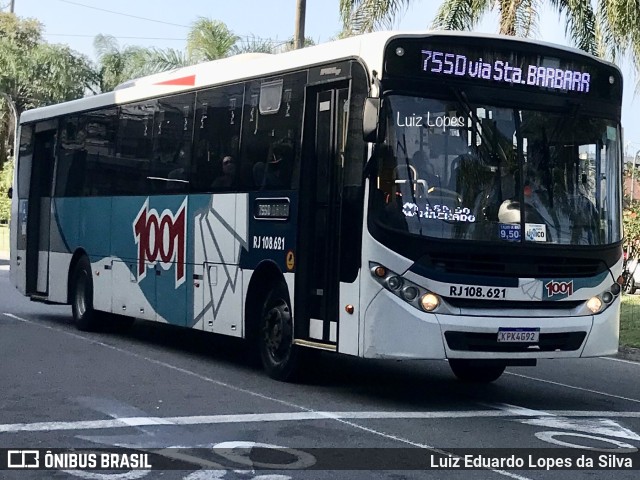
(369, 47)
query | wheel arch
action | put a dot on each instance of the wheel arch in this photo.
(264, 277)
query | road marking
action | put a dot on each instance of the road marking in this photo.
(621, 447)
(255, 394)
(621, 360)
(582, 389)
(128, 422)
(600, 426)
(133, 475)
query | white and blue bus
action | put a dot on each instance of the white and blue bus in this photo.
(396, 196)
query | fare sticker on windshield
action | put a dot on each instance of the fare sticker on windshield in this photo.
(535, 232)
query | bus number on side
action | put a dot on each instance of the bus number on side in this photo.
(265, 242)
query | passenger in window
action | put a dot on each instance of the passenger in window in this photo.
(425, 169)
(228, 177)
(276, 174)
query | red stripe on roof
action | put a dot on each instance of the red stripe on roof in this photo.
(189, 81)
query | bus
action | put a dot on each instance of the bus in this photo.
(430, 195)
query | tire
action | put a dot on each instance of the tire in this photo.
(84, 316)
(631, 286)
(476, 371)
(280, 357)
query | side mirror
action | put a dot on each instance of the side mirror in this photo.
(371, 119)
(10, 192)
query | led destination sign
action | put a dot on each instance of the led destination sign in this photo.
(475, 63)
(455, 64)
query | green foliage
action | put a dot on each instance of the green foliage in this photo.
(209, 40)
(630, 321)
(6, 179)
(116, 65)
(34, 73)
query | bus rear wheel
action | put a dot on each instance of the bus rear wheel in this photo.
(476, 371)
(279, 356)
(84, 316)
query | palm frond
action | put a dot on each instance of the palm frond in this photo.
(526, 19)
(460, 14)
(368, 15)
(581, 23)
(253, 44)
(209, 40)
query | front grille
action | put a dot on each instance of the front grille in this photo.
(507, 304)
(488, 342)
(500, 265)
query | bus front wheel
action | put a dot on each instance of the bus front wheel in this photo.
(84, 316)
(476, 371)
(280, 357)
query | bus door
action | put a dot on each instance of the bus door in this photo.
(318, 264)
(39, 209)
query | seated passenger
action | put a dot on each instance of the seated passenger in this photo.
(228, 177)
(425, 169)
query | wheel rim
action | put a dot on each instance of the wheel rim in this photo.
(276, 332)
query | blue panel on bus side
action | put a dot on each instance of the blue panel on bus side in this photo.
(82, 223)
(95, 226)
(66, 215)
(271, 237)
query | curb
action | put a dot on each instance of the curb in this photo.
(629, 353)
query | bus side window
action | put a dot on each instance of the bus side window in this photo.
(133, 149)
(216, 135)
(275, 130)
(173, 130)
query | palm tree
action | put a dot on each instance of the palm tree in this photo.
(209, 40)
(117, 65)
(35, 73)
(610, 30)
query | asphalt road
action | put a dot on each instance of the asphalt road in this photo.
(158, 387)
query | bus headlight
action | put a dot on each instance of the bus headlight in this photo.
(429, 302)
(412, 293)
(594, 304)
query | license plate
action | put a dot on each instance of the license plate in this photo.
(519, 335)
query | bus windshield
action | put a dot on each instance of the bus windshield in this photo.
(454, 170)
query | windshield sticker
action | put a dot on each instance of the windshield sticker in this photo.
(430, 121)
(439, 212)
(510, 232)
(535, 232)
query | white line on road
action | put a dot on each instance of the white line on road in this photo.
(621, 360)
(295, 417)
(573, 387)
(255, 394)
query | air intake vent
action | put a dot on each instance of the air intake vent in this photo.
(536, 266)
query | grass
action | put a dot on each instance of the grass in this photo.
(4, 238)
(630, 321)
